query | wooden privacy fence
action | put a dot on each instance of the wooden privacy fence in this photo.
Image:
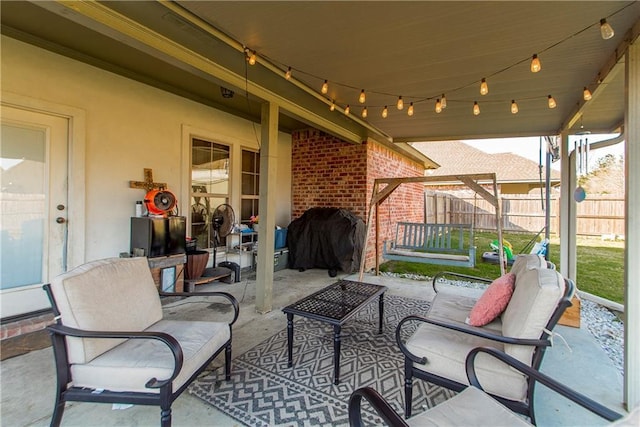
(596, 215)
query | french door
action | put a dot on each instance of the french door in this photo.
(33, 201)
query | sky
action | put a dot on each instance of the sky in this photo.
(529, 148)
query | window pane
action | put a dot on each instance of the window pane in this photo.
(247, 184)
(210, 166)
(248, 161)
(23, 202)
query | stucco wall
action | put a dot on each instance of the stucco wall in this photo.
(130, 126)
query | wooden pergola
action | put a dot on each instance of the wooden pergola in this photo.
(384, 187)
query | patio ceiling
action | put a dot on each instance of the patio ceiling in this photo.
(417, 50)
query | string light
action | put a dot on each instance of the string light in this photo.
(514, 107)
(325, 87)
(438, 106)
(484, 88)
(385, 112)
(443, 102)
(586, 94)
(606, 31)
(251, 56)
(476, 108)
(287, 75)
(362, 97)
(332, 106)
(400, 104)
(535, 64)
(364, 112)
(551, 102)
(410, 109)
(347, 110)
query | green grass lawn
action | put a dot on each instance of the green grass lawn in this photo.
(600, 269)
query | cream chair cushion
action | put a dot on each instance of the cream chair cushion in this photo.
(130, 365)
(534, 300)
(116, 294)
(527, 262)
(470, 407)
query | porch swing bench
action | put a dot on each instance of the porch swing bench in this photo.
(443, 244)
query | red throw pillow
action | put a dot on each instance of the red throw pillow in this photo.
(493, 301)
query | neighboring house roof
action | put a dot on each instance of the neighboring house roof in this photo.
(456, 157)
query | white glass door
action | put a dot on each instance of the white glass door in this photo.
(33, 202)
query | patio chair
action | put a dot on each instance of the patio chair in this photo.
(437, 349)
(112, 345)
(472, 406)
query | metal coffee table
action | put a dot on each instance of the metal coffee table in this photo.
(334, 305)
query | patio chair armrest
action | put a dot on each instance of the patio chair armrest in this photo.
(442, 274)
(538, 376)
(377, 402)
(228, 296)
(464, 328)
(167, 339)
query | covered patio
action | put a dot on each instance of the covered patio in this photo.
(30, 378)
(277, 57)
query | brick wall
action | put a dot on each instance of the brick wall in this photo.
(329, 172)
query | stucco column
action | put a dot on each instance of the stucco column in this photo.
(567, 209)
(632, 223)
(267, 208)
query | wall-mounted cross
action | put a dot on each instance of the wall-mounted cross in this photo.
(148, 183)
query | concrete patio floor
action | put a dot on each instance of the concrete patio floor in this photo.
(28, 381)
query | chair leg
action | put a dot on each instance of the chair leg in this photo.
(58, 410)
(165, 417)
(408, 387)
(227, 362)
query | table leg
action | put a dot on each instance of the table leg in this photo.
(336, 354)
(380, 312)
(290, 339)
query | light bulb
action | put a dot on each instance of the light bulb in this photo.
(385, 112)
(514, 107)
(400, 104)
(484, 88)
(476, 108)
(552, 102)
(332, 106)
(251, 56)
(606, 31)
(362, 97)
(287, 75)
(438, 106)
(586, 94)
(347, 110)
(325, 87)
(443, 101)
(535, 64)
(410, 110)
(364, 113)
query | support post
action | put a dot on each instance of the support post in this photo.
(632, 226)
(567, 210)
(267, 208)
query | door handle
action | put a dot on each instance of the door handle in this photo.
(60, 220)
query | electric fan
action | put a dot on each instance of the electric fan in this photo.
(222, 221)
(160, 202)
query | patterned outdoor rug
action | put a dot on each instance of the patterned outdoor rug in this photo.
(263, 391)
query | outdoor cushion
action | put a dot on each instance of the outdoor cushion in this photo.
(451, 306)
(131, 364)
(470, 407)
(446, 351)
(527, 262)
(493, 301)
(535, 298)
(99, 296)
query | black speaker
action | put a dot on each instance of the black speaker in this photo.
(159, 236)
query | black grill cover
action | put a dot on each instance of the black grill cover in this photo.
(328, 238)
